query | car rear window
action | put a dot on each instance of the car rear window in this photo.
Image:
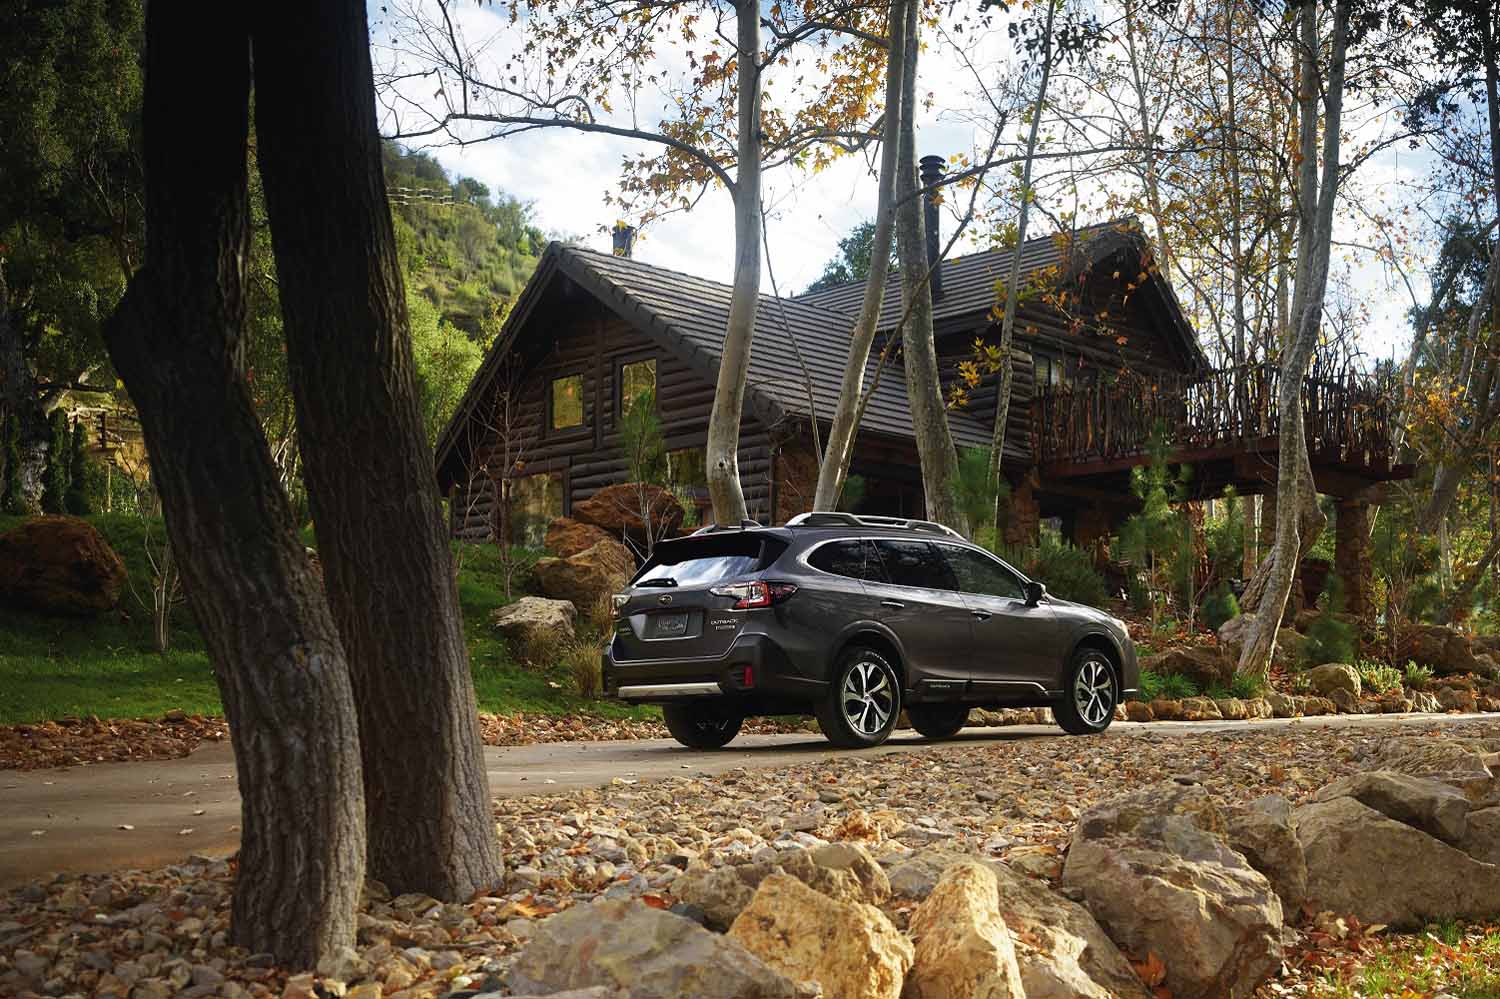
(853, 558)
(708, 560)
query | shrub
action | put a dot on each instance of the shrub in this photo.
(1329, 639)
(1417, 677)
(1172, 686)
(1068, 571)
(1379, 677)
(82, 477)
(582, 661)
(1244, 686)
(1219, 607)
(55, 473)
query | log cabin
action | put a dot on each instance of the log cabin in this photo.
(591, 330)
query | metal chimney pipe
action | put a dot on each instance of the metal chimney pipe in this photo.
(931, 173)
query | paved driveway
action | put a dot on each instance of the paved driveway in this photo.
(70, 820)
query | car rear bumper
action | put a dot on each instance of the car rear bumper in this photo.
(754, 669)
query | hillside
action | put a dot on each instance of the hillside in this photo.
(466, 250)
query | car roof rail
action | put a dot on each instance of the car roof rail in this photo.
(831, 518)
(744, 525)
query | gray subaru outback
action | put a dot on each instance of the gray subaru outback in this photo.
(854, 619)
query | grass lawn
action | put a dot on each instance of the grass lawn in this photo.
(106, 666)
(1447, 959)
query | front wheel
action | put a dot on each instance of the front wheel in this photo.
(937, 721)
(702, 724)
(1088, 703)
(863, 701)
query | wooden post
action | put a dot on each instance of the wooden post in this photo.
(1351, 557)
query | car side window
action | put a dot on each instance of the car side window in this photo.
(980, 574)
(915, 563)
(853, 558)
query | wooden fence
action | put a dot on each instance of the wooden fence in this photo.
(1347, 415)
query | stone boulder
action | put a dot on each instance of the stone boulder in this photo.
(851, 949)
(617, 509)
(1482, 836)
(1165, 709)
(1205, 666)
(1231, 708)
(1282, 705)
(963, 948)
(1457, 699)
(842, 871)
(1236, 631)
(1200, 709)
(1421, 802)
(1156, 870)
(649, 953)
(1138, 711)
(535, 620)
(59, 565)
(1364, 863)
(589, 577)
(1257, 707)
(1345, 702)
(566, 536)
(1445, 649)
(1329, 677)
(1265, 832)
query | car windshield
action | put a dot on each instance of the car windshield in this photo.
(708, 560)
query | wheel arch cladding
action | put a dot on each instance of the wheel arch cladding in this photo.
(1100, 642)
(876, 641)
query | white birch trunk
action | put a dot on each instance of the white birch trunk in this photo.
(722, 452)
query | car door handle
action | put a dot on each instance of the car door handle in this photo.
(893, 604)
(982, 615)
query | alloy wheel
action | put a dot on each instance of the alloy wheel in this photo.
(1094, 691)
(868, 698)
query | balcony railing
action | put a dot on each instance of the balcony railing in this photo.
(1347, 415)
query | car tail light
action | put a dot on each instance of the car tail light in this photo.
(756, 594)
(743, 676)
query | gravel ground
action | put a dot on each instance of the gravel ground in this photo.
(156, 934)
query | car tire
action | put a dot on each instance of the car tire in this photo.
(863, 700)
(707, 724)
(1090, 693)
(937, 721)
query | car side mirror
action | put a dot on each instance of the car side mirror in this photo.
(1035, 593)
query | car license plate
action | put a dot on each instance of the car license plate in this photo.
(671, 625)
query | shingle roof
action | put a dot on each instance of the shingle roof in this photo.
(692, 312)
(968, 282)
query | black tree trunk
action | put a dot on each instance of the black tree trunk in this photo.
(369, 474)
(176, 341)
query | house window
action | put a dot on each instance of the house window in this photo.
(535, 501)
(1049, 370)
(567, 402)
(636, 379)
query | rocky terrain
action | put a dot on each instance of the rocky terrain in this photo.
(1277, 835)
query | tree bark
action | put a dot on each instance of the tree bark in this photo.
(722, 451)
(1298, 519)
(845, 424)
(1013, 278)
(20, 403)
(370, 480)
(281, 669)
(924, 388)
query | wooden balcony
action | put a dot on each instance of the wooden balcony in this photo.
(1103, 427)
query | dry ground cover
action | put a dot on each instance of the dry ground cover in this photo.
(155, 934)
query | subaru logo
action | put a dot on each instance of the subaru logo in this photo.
(665, 598)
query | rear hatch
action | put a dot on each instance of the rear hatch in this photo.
(670, 611)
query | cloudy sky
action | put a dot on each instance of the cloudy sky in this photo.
(567, 176)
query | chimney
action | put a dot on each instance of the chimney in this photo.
(624, 239)
(932, 173)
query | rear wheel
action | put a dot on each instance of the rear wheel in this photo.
(1089, 697)
(937, 721)
(709, 724)
(862, 702)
